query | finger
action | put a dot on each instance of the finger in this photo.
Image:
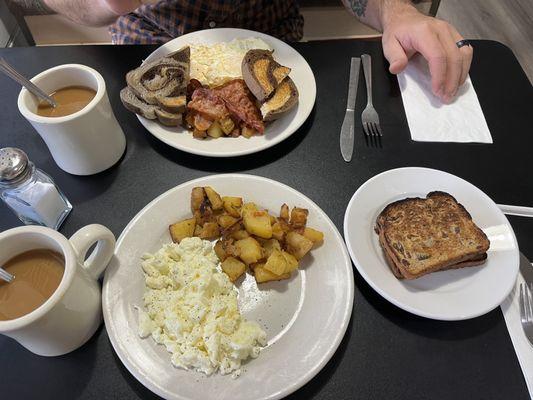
(454, 61)
(395, 54)
(467, 53)
(428, 44)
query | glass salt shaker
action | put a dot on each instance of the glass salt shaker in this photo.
(29, 192)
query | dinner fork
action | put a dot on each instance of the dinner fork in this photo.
(6, 276)
(370, 116)
(526, 310)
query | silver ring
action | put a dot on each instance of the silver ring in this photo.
(462, 43)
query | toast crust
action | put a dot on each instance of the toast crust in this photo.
(420, 236)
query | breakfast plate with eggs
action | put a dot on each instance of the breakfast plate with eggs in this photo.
(222, 92)
(188, 326)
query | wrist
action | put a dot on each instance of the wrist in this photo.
(392, 10)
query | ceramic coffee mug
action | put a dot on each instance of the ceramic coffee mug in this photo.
(72, 314)
(85, 142)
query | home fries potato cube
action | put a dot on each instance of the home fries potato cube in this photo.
(249, 250)
(225, 220)
(209, 231)
(233, 268)
(182, 229)
(197, 198)
(232, 205)
(214, 198)
(313, 235)
(257, 223)
(299, 217)
(298, 245)
(263, 275)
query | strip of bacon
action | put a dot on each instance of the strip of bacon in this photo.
(208, 104)
(238, 101)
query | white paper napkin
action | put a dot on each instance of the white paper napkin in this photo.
(430, 120)
(522, 347)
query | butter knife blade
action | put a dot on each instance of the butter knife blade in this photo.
(348, 125)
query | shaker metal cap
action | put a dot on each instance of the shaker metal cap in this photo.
(13, 162)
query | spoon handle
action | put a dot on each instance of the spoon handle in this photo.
(6, 276)
(13, 74)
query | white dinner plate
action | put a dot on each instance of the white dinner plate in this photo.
(275, 132)
(447, 295)
(304, 317)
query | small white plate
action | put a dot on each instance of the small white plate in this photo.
(302, 75)
(304, 317)
(446, 295)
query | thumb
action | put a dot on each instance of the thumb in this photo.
(395, 54)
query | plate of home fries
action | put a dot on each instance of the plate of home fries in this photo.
(218, 286)
(221, 92)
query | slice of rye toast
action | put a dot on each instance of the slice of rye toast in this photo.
(425, 235)
(262, 73)
(284, 99)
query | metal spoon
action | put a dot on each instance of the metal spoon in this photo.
(6, 276)
(13, 74)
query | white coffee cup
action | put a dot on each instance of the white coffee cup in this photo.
(85, 142)
(72, 314)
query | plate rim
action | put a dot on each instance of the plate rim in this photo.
(391, 298)
(280, 138)
(306, 377)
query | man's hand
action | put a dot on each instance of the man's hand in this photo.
(406, 32)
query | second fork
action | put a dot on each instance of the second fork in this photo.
(369, 117)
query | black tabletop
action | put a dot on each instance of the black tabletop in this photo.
(386, 353)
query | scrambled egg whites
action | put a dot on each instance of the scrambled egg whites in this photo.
(214, 64)
(191, 308)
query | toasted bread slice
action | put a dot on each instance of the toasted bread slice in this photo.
(262, 73)
(282, 101)
(421, 236)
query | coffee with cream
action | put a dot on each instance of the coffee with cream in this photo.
(38, 274)
(69, 100)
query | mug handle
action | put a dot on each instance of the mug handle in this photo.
(83, 239)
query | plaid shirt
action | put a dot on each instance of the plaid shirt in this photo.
(167, 19)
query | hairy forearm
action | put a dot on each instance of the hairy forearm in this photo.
(376, 13)
(85, 12)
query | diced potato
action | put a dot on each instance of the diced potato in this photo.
(227, 125)
(284, 212)
(197, 198)
(276, 263)
(219, 250)
(261, 275)
(280, 229)
(240, 234)
(225, 220)
(249, 250)
(233, 268)
(299, 217)
(230, 248)
(214, 198)
(269, 246)
(204, 214)
(198, 134)
(247, 132)
(197, 230)
(247, 207)
(313, 235)
(257, 264)
(232, 205)
(298, 245)
(273, 219)
(210, 231)
(257, 223)
(215, 131)
(182, 229)
(291, 262)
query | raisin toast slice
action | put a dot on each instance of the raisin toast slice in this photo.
(420, 236)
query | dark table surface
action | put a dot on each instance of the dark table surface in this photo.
(386, 353)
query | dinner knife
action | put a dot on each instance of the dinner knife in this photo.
(348, 125)
(519, 211)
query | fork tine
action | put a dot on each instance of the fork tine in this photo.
(379, 130)
(374, 129)
(365, 128)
